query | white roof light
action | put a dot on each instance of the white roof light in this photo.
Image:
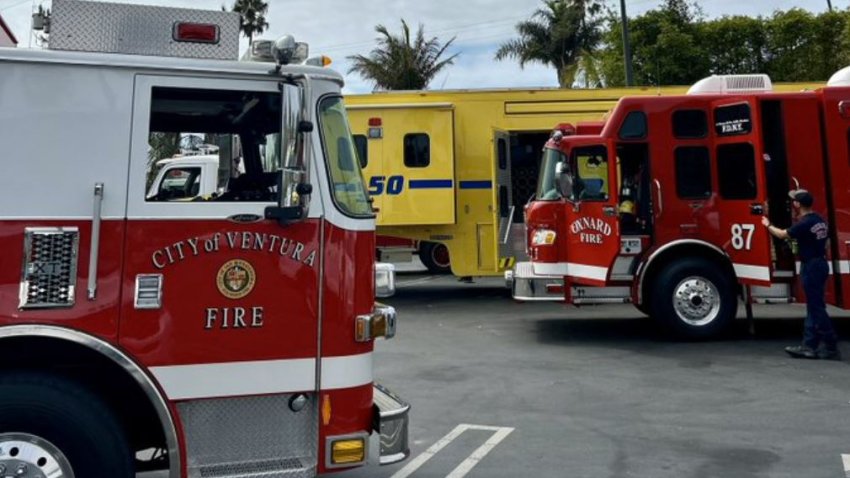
(283, 51)
(840, 78)
(731, 84)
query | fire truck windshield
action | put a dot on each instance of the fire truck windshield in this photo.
(547, 186)
(349, 192)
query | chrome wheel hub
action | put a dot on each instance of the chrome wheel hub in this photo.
(696, 301)
(23, 455)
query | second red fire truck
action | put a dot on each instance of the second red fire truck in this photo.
(660, 204)
(225, 335)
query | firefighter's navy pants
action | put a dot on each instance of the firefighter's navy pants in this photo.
(818, 327)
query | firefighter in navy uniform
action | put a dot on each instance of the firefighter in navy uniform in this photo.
(811, 233)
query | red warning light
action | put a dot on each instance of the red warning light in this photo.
(196, 32)
(374, 121)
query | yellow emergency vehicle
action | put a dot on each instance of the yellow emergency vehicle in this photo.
(452, 170)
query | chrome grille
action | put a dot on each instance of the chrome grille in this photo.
(249, 437)
(50, 267)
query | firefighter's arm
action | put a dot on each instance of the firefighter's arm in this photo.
(775, 231)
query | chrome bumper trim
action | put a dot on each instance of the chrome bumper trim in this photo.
(391, 422)
(526, 286)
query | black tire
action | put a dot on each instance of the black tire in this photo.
(435, 256)
(70, 418)
(700, 286)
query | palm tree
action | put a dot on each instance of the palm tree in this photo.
(563, 34)
(253, 13)
(398, 63)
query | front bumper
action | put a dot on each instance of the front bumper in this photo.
(526, 286)
(391, 422)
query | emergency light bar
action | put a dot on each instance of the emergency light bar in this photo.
(283, 51)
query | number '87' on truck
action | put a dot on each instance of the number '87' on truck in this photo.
(219, 335)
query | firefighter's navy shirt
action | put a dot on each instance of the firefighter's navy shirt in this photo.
(811, 233)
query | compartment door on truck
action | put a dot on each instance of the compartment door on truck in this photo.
(505, 206)
(741, 197)
(410, 161)
(592, 227)
(209, 279)
(836, 108)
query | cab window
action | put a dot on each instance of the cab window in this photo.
(634, 126)
(690, 124)
(547, 185)
(349, 192)
(234, 134)
(693, 172)
(736, 171)
(591, 171)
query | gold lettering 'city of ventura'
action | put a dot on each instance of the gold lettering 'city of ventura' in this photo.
(235, 241)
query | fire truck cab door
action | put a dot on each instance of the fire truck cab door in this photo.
(217, 300)
(741, 198)
(592, 231)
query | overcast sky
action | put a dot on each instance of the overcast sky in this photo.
(339, 28)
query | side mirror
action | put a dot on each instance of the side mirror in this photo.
(564, 180)
(294, 187)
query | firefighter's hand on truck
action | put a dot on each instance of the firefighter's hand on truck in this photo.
(765, 221)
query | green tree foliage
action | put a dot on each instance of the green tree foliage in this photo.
(253, 17)
(400, 62)
(674, 44)
(737, 44)
(563, 34)
(666, 46)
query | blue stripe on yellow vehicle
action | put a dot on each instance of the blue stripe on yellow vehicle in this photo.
(476, 185)
(430, 183)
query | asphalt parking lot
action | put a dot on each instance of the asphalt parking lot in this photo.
(503, 389)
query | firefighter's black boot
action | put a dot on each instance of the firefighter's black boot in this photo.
(801, 351)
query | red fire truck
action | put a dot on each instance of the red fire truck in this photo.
(219, 336)
(660, 205)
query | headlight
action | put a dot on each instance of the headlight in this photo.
(384, 280)
(543, 237)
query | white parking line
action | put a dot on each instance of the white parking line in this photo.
(482, 451)
(846, 460)
(467, 464)
(415, 281)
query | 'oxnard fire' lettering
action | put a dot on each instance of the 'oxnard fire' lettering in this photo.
(591, 230)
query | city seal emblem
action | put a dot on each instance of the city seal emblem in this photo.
(236, 279)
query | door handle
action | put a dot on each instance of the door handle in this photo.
(658, 195)
(756, 209)
(609, 211)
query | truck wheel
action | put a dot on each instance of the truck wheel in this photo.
(435, 256)
(693, 299)
(52, 427)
